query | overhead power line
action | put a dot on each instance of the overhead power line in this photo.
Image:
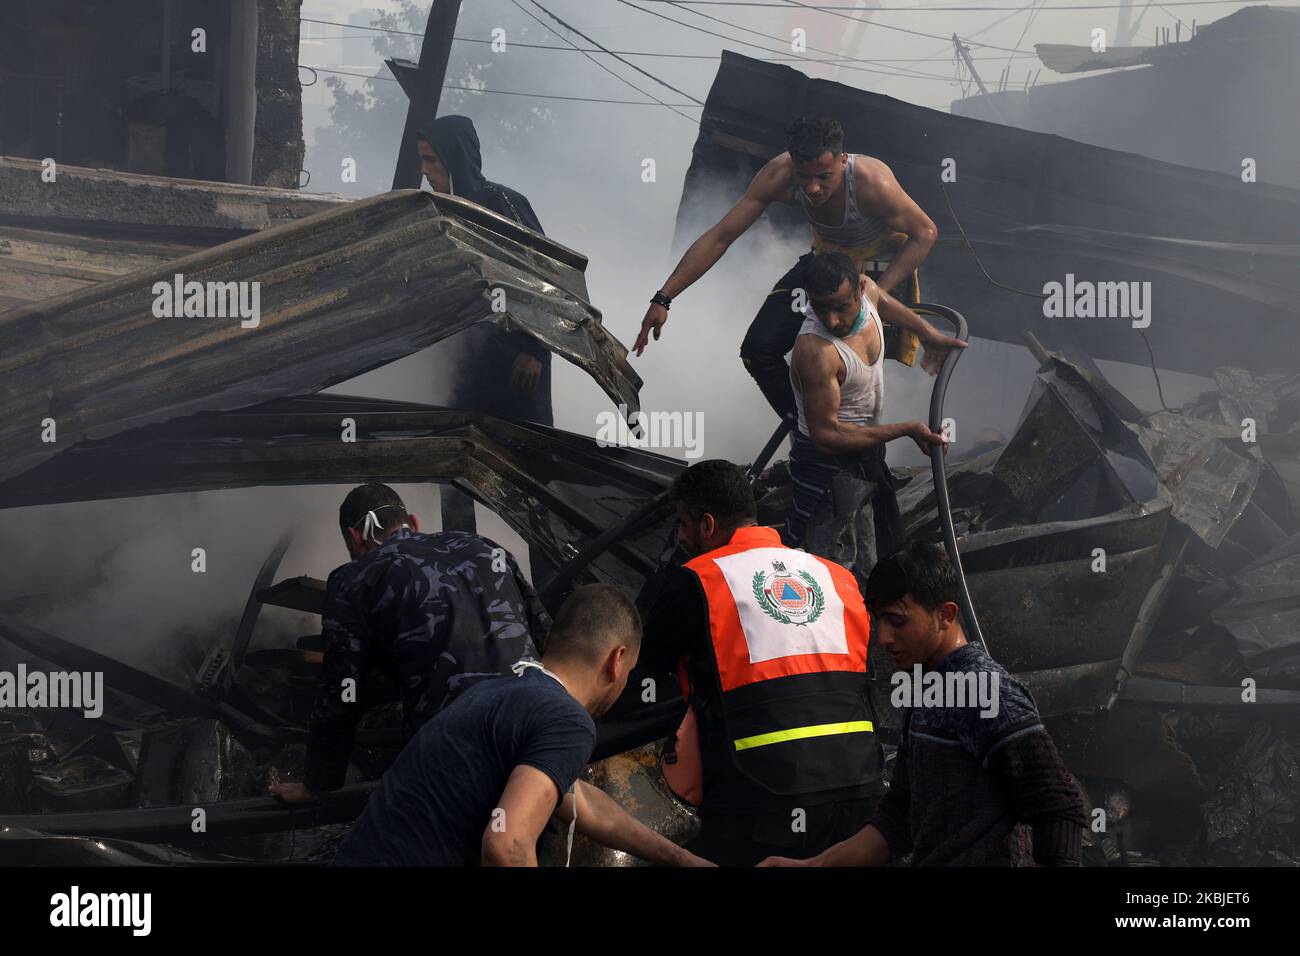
(655, 54)
(974, 8)
(714, 33)
(574, 29)
(472, 89)
(985, 29)
(886, 26)
(768, 36)
(627, 82)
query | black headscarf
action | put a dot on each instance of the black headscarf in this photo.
(456, 143)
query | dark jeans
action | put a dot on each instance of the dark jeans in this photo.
(771, 335)
(743, 839)
(843, 507)
(482, 372)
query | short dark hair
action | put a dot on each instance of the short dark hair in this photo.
(919, 570)
(827, 273)
(810, 136)
(717, 487)
(593, 620)
(372, 496)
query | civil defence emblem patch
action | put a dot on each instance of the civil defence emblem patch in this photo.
(788, 598)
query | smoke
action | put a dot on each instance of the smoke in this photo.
(120, 577)
(605, 179)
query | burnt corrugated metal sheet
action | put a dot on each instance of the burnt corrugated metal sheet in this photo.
(341, 292)
(556, 489)
(92, 225)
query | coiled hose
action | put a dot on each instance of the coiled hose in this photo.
(961, 331)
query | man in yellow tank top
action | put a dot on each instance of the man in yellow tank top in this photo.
(854, 205)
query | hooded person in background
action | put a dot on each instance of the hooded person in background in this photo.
(501, 372)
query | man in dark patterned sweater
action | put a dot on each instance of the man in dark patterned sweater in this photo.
(977, 780)
(436, 612)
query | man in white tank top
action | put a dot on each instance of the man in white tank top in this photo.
(852, 202)
(838, 375)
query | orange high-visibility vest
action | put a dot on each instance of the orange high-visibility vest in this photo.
(789, 635)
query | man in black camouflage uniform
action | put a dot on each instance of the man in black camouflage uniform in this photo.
(437, 612)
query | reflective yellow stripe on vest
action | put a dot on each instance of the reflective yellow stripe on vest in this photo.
(799, 733)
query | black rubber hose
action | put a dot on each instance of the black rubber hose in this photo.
(958, 321)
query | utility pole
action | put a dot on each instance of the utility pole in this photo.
(963, 51)
(425, 89)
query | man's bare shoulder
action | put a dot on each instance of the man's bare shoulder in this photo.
(812, 351)
(871, 290)
(875, 179)
(776, 179)
(869, 169)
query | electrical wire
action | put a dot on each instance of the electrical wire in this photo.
(886, 26)
(1160, 392)
(1034, 8)
(714, 33)
(973, 8)
(1175, 16)
(646, 73)
(982, 30)
(616, 76)
(645, 53)
(1155, 372)
(656, 54)
(975, 255)
(768, 36)
(471, 89)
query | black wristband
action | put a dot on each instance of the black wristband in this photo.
(660, 299)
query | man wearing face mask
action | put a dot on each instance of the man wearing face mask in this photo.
(837, 371)
(437, 612)
(504, 373)
(853, 205)
(778, 749)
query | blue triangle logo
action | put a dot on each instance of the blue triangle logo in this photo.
(788, 593)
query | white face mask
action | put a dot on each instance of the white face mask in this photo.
(520, 666)
(372, 527)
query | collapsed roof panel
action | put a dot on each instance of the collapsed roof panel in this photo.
(1072, 456)
(1210, 482)
(1039, 594)
(1264, 615)
(557, 490)
(321, 300)
(92, 225)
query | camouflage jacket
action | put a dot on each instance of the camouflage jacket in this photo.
(436, 612)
